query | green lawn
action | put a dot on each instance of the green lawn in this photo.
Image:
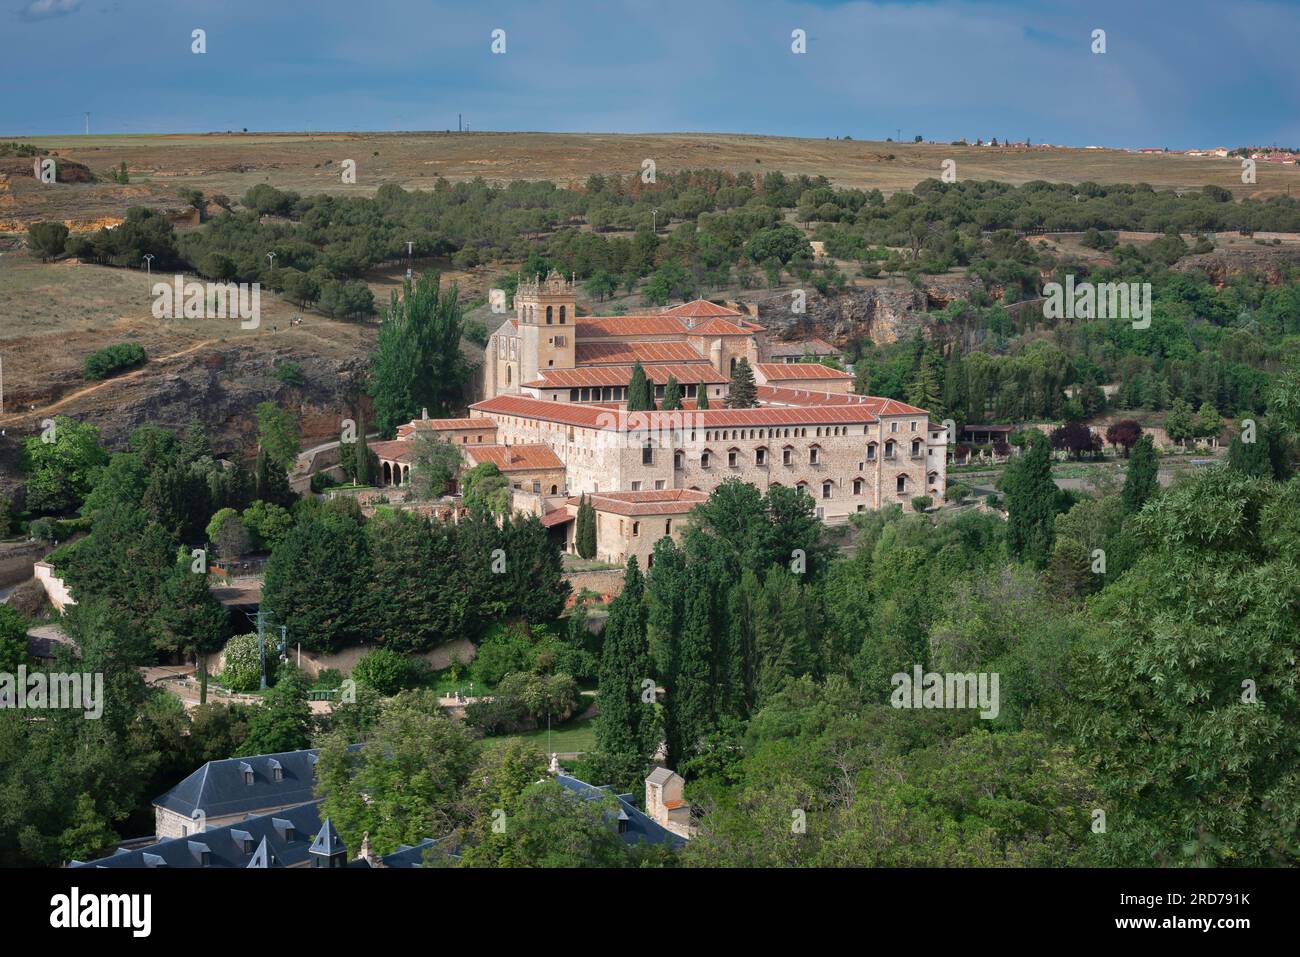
(573, 736)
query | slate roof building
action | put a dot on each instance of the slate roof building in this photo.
(223, 792)
(634, 827)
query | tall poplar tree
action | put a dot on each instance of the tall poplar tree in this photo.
(1031, 501)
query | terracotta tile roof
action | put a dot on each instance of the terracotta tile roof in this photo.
(557, 516)
(440, 425)
(596, 327)
(514, 458)
(782, 371)
(625, 353)
(394, 450)
(882, 406)
(672, 501)
(718, 327)
(595, 417)
(700, 307)
(788, 395)
(696, 372)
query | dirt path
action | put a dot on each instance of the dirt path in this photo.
(16, 418)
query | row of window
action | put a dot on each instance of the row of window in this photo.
(530, 314)
(760, 455)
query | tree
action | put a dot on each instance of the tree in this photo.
(47, 238)
(585, 528)
(743, 393)
(270, 483)
(1208, 423)
(1179, 423)
(923, 391)
(405, 781)
(640, 393)
(229, 534)
(313, 577)
(13, 640)
(1124, 434)
(625, 726)
(434, 464)
(284, 721)
(417, 361)
(672, 396)
(1076, 438)
(553, 827)
(61, 464)
(190, 619)
(1141, 481)
(267, 524)
(242, 670)
(1030, 498)
(702, 396)
(277, 435)
(484, 487)
(1184, 698)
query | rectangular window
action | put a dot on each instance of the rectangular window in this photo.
(659, 484)
(636, 486)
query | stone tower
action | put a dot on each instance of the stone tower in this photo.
(544, 309)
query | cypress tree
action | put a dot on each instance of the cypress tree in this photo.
(743, 394)
(1140, 482)
(672, 395)
(640, 397)
(625, 724)
(1031, 501)
(702, 396)
(690, 688)
(585, 532)
(362, 452)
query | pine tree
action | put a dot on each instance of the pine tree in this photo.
(743, 394)
(672, 395)
(626, 722)
(1141, 481)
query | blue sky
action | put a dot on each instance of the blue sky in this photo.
(1176, 73)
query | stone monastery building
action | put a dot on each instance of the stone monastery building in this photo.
(554, 421)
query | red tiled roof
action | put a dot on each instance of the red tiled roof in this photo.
(696, 372)
(700, 307)
(515, 458)
(439, 425)
(799, 370)
(625, 353)
(672, 501)
(394, 450)
(596, 327)
(788, 395)
(718, 327)
(557, 516)
(586, 416)
(881, 406)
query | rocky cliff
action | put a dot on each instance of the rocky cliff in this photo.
(881, 313)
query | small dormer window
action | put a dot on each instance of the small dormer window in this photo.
(277, 771)
(246, 770)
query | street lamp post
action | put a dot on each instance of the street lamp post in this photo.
(271, 256)
(148, 263)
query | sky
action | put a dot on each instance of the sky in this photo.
(1175, 73)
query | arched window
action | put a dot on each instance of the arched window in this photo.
(814, 454)
(857, 486)
(507, 375)
(554, 490)
(733, 458)
(760, 455)
(705, 456)
(563, 312)
(871, 451)
(902, 484)
(733, 365)
(548, 315)
(828, 489)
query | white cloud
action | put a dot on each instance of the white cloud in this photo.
(45, 9)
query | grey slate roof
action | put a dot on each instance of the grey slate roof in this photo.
(659, 776)
(639, 827)
(282, 839)
(218, 789)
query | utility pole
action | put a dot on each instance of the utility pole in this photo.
(87, 122)
(261, 645)
(899, 133)
(654, 220)
(460, 126)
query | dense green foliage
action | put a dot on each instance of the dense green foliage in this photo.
(109, 361)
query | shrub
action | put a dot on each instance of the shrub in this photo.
(921, 502)
(243, 667)
(290, 373)
(955, 492)
(384, 670)
(111, 360)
